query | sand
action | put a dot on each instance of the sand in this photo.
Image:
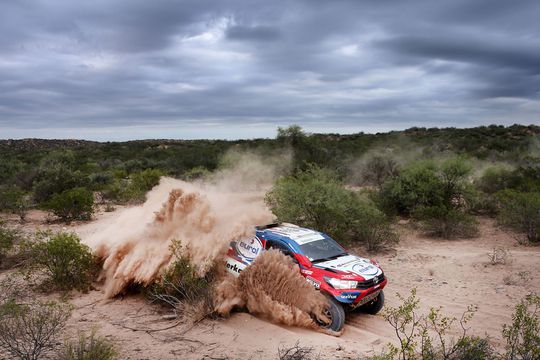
(451, 274)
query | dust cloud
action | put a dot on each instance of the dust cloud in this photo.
(205, 216)
(273, 288)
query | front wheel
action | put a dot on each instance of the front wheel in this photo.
(336, 314)
(374, 306)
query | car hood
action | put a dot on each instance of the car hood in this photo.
(352, 264)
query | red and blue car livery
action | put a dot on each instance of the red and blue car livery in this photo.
(351, 282)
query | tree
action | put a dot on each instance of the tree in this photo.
(73, 204)
(315, 198)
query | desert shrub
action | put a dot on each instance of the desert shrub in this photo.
(8, 237)
(424, 336)
(56, 180)
(369, 225)
(27, 331)
(14, 200)
(520, 211)
(88, 347)
(473, 348)
(134, 188)
(183, 288)
(296, 352)
(499, 256)
(438, 196)
(494, 179)
(315, 198)
(523, 334)
(377, 169)
(198, 172)
(99, 180)
(73, 204)
(447, 223)
(67, 262)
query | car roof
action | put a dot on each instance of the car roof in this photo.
(289, 234)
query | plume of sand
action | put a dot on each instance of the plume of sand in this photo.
(273, 288)
(204, 218)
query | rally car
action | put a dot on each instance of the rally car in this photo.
(350, 282)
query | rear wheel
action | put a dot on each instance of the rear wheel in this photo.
(374, 306)
(336, 314)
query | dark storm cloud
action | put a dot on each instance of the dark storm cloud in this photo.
(83, 68)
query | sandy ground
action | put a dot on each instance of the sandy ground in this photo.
(451, 274)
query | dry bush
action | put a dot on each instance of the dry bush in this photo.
(28, 331)
(499, 256)
(523, 335)
(181, 287)
(297, 352)
(88, 347)
(424, 336)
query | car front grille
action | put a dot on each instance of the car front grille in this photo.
(371, 282)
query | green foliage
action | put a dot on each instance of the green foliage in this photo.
(494, 179)
(379, 168)
(67, 262)
(14, 200)
(8, 238)
(316, 199)
(181, 283)
(73, 204)
(520, 211)
(436, 195)
(197, 172)
(523, 335)
(446, 223)
(55, 180)
(29, 331)
(424, 336)
(134, 188)
(88, 347)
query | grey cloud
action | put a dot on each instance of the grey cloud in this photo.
(354, 63)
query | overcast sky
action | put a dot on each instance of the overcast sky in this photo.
(131, 69)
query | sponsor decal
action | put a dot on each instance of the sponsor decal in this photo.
(348, 297)
(234, 267)
(315, 283)
(307, 272)
(250, 248)
(364, 269)
(299, 235)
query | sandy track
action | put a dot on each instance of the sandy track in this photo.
(452, 274)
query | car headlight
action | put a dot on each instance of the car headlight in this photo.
(341, 284)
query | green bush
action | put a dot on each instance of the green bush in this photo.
(73, 204)
(181, 282)
(446, 223)
(520, 211)
(438, 196)
(29, 331)
(14, 200)
(135, 187)
(494, 179)
(7, 240)
(378, 169)
(425, 336)
(67, 262)
(523, 335)
(88, 347)
(316, 199)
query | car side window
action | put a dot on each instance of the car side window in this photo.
(279, 246)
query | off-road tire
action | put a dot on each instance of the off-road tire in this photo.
(374, 306)
(337, 314)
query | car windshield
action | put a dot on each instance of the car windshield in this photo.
(324, 249)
